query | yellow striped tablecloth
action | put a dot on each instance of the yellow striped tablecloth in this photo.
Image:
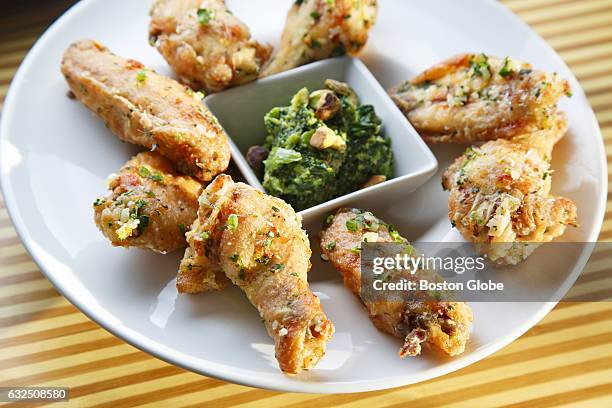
(566, 360)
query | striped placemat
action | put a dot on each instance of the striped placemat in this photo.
(566, 360)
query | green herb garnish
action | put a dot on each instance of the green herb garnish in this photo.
(232, 222)
(141, 76)
(505, 69)
(144, 223)
(205, 16)
(277, 267)
(354, 224)
(480, 65)
(146, 173)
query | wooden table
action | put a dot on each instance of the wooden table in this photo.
(566, 360)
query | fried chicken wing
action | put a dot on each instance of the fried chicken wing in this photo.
(443, 325)
(150, 205)
(472, 97)
(500, 195)
(319, 29)
(147, 109)
(258, 242)
(207, 46)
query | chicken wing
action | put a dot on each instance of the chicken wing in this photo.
(147, 109)
(443, 325)
(319, 29)
(258, 242)
(207, 46)
(500, 195)
(473, 97)
(150, 205)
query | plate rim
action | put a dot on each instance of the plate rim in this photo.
(175, 357)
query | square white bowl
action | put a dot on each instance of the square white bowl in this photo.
(241, 112)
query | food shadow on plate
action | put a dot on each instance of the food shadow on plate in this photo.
(99, 137)
(565, 182)
(229, 305)
(146, 272)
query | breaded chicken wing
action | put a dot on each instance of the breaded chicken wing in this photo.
(150, 205)
(147, 109)
(473, 97)
(500, 195)
(258, 242)
(205, 44)
(443, 325)
(319, 29)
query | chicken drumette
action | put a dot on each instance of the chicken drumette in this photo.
(500, 195)
(150, 205)
(257, 241)
(473, 97)
(319, 29)
(147, 109)
(205, 44)
(441, 324)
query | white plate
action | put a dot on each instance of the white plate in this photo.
(56, 156)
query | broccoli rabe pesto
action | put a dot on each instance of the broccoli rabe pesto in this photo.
(323, 145)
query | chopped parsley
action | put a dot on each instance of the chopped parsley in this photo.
(234, 258)
(157, 177)
(265, 259)
(395, 235)
(204, 235)
(275, 209)
(277, 267)
(141, 76)
(480, 65)
(505, 69)
(331, 246)
(140, 203)
(205, 16)
(144, 223)
(146, 173)
(99, 201)
(315, 15)
(232, 222)
(354, 224)
(182, 228)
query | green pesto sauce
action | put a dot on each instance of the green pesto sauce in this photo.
(305, 176)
